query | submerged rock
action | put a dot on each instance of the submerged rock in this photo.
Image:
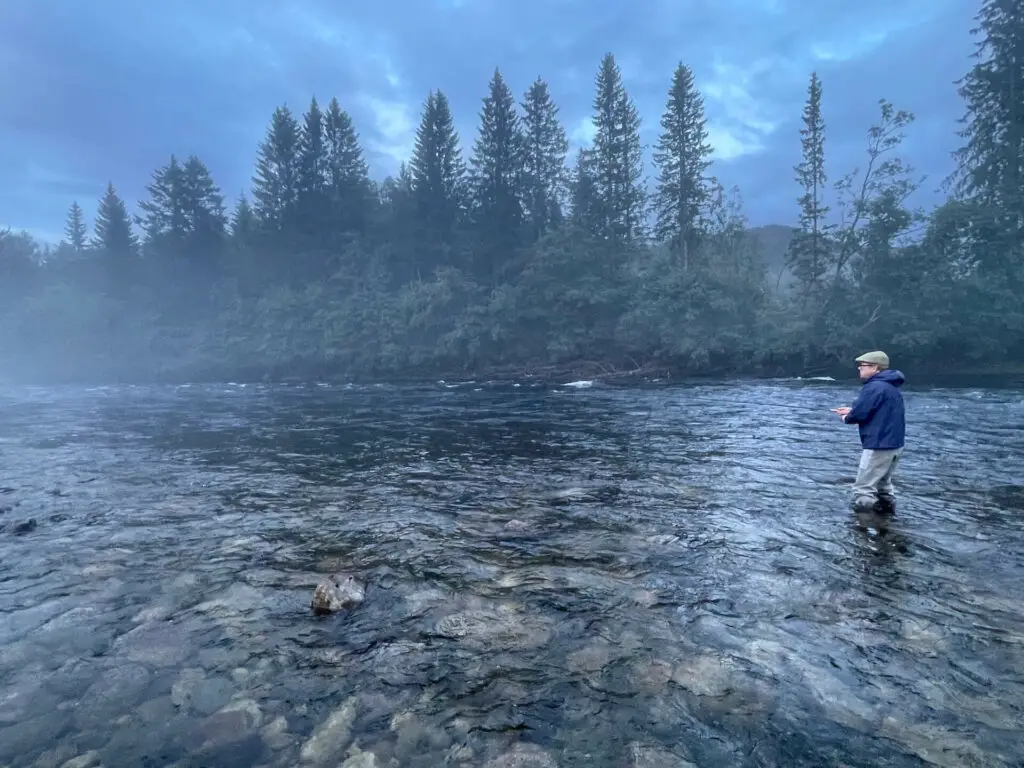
(88, 760)
(641, 756)
(334, 594)
(25, 526)
(585, 495)
(523, 755)
(330, 737)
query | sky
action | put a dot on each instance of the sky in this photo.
(106, 90)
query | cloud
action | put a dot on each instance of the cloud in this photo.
(105, 90)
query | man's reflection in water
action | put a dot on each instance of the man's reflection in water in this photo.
(876, 526)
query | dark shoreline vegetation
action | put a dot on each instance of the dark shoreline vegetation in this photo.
(510, 257)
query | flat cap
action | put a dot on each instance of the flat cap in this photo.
(875, 358)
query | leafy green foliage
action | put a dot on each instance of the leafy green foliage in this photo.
(512, 261)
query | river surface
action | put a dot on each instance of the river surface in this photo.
(653, 577)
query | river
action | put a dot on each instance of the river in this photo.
(651, 576)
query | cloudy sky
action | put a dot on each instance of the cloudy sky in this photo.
(106, 89)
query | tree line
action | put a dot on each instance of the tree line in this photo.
(510, 255)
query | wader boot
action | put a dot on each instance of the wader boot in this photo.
(873, 490)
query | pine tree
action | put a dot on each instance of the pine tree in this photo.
(808, 254)
(990, 169)
(74, 229)
(313, 213)
(115, 243)
(185, 209)
(348, 177)
(438, 181)
(205, 216)
(683, 157)
(243, 222)
(185, 225)
(163, 215)
(398, 202)
(112, 231)
(545, 150)
(586, 207)
(278, 172)
(617, 157)
(497, 176)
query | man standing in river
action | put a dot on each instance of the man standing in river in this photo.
(879, 414)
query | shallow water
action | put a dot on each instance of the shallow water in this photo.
(705, 597)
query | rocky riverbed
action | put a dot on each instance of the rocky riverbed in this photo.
(552, 576)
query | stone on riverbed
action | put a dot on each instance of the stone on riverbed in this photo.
(337, 593)
(523, 755)
(330, 737)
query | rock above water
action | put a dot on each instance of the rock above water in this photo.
(337, 593)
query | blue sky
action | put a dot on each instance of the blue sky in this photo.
(106, 90)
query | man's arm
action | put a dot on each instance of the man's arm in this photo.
(864, 406)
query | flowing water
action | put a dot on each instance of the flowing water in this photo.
(555, 576)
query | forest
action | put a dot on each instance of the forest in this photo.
(509, 257)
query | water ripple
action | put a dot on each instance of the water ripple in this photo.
(555, 577)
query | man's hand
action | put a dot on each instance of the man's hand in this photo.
(842, 412)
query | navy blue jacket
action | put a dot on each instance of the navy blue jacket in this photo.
(878, 411)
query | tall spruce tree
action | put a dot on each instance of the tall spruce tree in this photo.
(74, 228)
(205, 214)
(399, 215)
(243, 222)
(276, 184)
(313, 213)
(112, 231)
(185, 210)
(545, 150)
(115, 243)
(990, 170)
(586, 206)
(497, 181)
(808, 253)
(348, 177)
(163, 214)
(682, 157)
(617, 158)
(438, 184)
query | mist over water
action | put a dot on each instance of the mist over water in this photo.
(555, 576)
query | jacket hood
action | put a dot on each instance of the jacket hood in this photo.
(890, 376)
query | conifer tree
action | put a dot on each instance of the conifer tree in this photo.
(278, 173)
(545, 150)
(586, 207)
(496, 178)
(348, 177)
(163, 214)
(205, 214)
(112, 231)
(990, 170)
(74, 228)
(115, 243)
(185, 209)
(243, 221)
(617, 158)
(313, 214)
(808, 253)
(438, 182)
(682, 157)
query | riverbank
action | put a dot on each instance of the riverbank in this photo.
(614, 372)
